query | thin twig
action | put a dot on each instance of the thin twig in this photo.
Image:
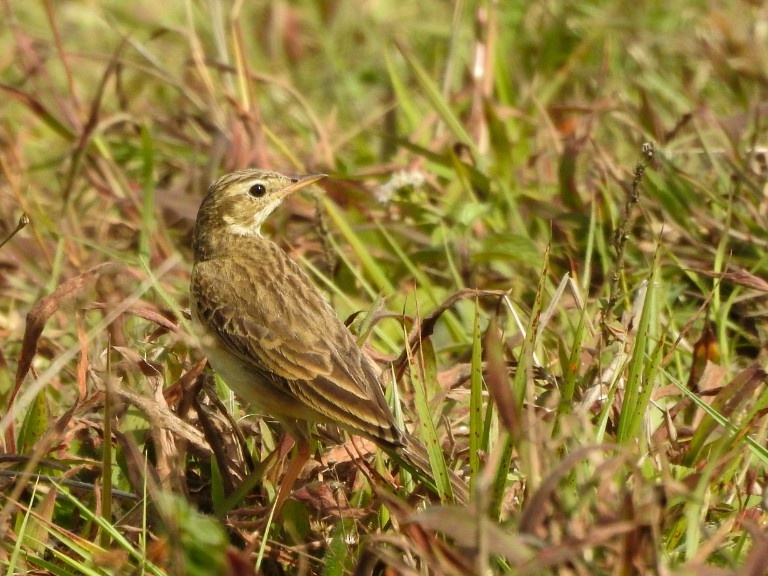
(23, 221)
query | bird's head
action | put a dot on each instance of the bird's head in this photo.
(240, 202)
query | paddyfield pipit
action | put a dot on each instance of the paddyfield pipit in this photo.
(273, 337)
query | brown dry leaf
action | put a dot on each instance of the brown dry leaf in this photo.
(636, 544)
(712, 377)
(419, 541)
(561, 555)
(728, 401)
(167, 457)
(740, 388)
(158, 551)
(454, 376)
(37, 318)
(225, 442)
(239, 563)
(758, 555)
(114, 559)
(709, 383)
(665, 392)
(704, 351)
(319, 496)
(177, 394)
(462, 525)
(342, 453)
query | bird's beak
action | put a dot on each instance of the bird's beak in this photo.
(302, 182)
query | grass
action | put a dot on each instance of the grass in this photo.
(577, 324)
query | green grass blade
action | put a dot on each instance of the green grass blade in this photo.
(570, 372)
(637, 363)
(428, 432)
(374, 270)
(435, 97)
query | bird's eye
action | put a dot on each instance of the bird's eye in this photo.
(257, 190)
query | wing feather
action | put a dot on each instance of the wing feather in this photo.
(267, 312)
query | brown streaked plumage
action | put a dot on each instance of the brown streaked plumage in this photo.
(270, 333)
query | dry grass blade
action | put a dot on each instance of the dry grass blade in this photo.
(90, 125)
(758, 556)
(37, 318)
(739, 276)
(468, 529)
(146, 311)
(536, 508)
(38, 110)
(728, 402)
(497, 379)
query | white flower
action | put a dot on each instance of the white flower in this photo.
(398, 181)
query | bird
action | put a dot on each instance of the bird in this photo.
(272, 335)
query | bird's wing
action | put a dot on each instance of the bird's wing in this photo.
(269, 314)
